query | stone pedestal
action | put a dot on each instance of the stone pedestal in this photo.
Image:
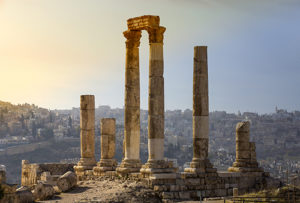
(108, 146)
(200, 163)
(131, 161)
(87, 134)
(245, 150)
(156, 164)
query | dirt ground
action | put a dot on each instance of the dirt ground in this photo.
(106, 190)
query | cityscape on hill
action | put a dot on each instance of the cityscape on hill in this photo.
(42, 135)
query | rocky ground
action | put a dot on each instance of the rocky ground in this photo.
(107, 190)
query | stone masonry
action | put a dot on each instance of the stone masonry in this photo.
(87, 134)
(32, 173)
(245, 150)
(108, 146)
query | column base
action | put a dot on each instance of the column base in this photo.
(129, 166)
(104, 165)
(200, 166)
(84, 164)
(158, 169)
(245, 166)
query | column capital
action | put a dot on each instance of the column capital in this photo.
(133, 38)
(156, 35)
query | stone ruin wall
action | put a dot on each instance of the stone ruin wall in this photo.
(32, 172)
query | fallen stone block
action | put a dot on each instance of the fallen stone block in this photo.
(43, 191)
(24, 195)
(67, 181)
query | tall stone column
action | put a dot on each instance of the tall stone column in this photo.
(156, 95)
(200, 163)
(245, 150)
(131, 161)
(156, 106)
(108, 146)
(87, 133)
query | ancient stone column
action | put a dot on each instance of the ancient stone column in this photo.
(245, 150)
(131, 161)
(200, 163)
(156, 95)
(87, 133)
(243, 153)
(108, 146)
(156, 108)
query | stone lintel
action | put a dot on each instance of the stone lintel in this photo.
(142, 22)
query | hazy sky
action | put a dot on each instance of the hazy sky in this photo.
(52, 51)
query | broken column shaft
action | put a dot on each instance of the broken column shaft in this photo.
(87, 133)
(245, 150)
(108, 143)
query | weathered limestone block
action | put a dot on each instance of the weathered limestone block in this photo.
(9, 193)
(143, 22)
(67, 181)
(43, 191)
(108, 138)
(24, 195)
(32, 173)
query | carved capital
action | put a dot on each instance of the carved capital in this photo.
(156, 35)
(133, 38)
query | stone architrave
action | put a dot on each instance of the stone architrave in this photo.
(131, 145)
(200, 162)
(245, 150)
(87, 134)
(108, 146)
